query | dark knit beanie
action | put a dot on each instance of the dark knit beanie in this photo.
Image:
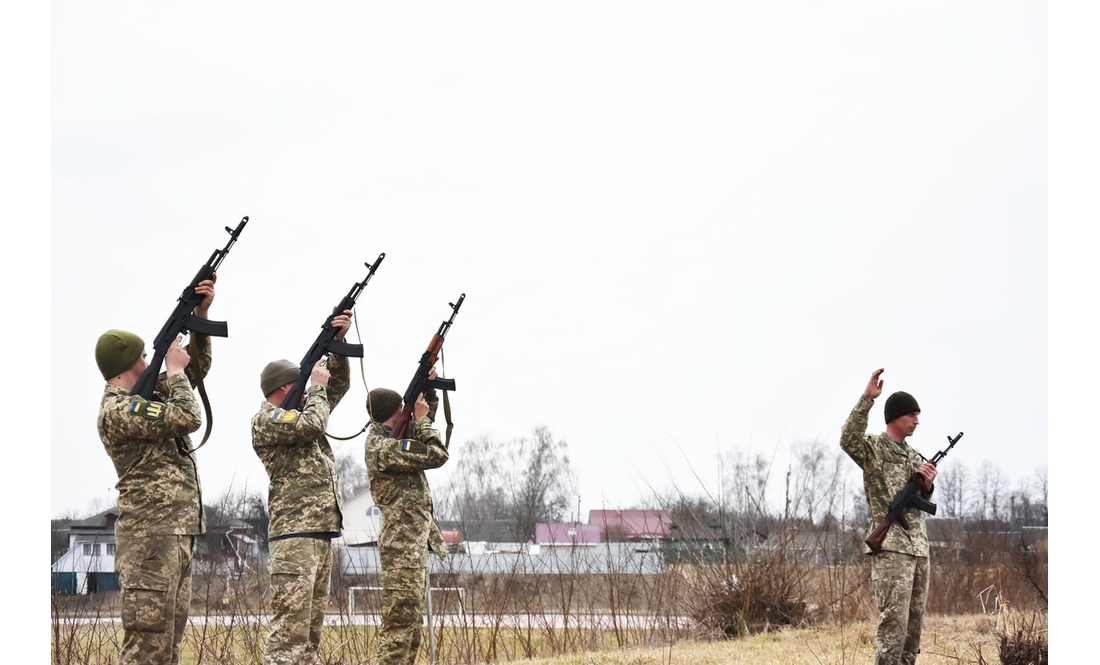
(277, 374)
(900, 404)
(382, 403)
(116, 351)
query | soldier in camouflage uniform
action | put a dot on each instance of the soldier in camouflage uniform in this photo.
(900, 572)
(303, 499)
(160, 500)
(395, 469)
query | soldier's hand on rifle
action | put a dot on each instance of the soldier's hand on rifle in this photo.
(320, 374)
(431, 375)
(874, 386)
(420, 409)
(205, 288)
(927, 473)
(342, 323)
(176, 358)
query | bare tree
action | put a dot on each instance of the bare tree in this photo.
(692, 517)
(991, 489)
(351, 472)
(249, 506)
(541, 484)
(477, 485)
(861, 511)
(1041, 488)
(527, 479)
(818, 479)
(746, 484)
(951, 490)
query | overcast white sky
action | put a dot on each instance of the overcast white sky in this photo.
(678, 229)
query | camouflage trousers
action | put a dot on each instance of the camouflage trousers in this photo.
(402, 615)
(154, 573)
(900, 583)
(300, 572)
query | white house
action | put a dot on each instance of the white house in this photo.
(89, 564)
(362, 520)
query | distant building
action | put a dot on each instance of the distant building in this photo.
(362, 520)
(630, 525)
(483, 535)
(565, 533)
(945, 534)
(88, 565)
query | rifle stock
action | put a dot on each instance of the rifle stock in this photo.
(183, 320)
(420, 381)
(874, 540)
(327, 343)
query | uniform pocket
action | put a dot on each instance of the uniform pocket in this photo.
(145, 602)
(282, 566)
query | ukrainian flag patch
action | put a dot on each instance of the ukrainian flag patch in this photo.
(146, 409)
(412, 446)
(284, 416)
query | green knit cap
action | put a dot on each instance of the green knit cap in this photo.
(277, 374)
(900, 404)
(382, 403)
(116, 351)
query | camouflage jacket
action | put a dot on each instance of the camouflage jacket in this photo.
(158, 480)
(887, 467)
(303, 488)
(395, 470)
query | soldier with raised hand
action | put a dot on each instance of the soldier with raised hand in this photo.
(395, 469)
(160, 499)
(303, 498)
(900, 572)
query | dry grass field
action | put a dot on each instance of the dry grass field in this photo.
(766, 610)
(948, 639)
(957, 640)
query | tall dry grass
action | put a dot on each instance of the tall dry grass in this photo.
(776, 606)
(968, 639)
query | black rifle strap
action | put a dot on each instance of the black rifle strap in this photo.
(447, 414)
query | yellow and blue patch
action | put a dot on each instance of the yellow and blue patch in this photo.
(411, 446)
(139, 406)
(284, 416)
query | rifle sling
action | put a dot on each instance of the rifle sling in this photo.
(446, 412)
(205, 402)
(345, 438)
(362, 374)
(447, 415)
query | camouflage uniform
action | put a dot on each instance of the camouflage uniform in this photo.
(304, 505)
(900, 573)
(399, 487)
(160, 507)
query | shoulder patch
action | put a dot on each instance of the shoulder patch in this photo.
(284, 416)
(411, 446)
(139, 406)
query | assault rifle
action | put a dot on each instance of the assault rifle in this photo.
(183, 320)
(327, 343)
(420, 381)
(908, 497)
